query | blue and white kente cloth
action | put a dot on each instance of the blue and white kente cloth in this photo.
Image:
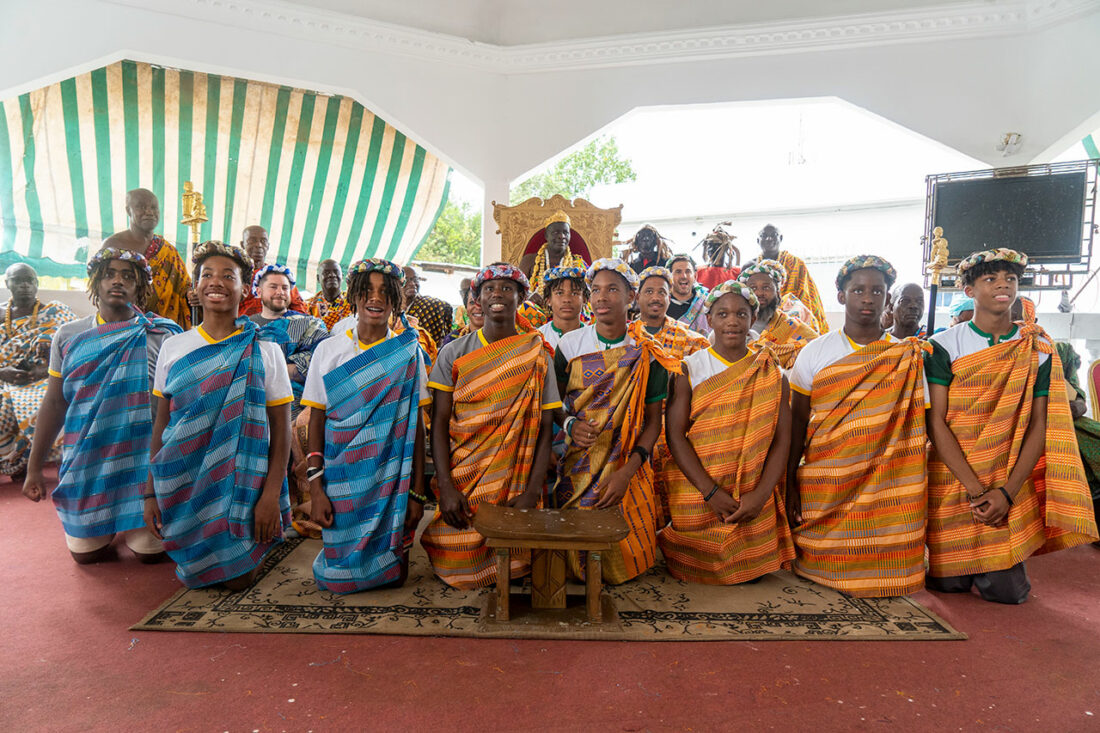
(695, 317)
(210, 471)
(108, 423)
(297, 334)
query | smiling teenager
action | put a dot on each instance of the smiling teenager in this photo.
(101, 377)
(1005, 480)
(857, 502)
(494, 398)
(217, 492)
(728, 427)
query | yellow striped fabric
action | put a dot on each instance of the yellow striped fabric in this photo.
(325, 176)
(863, 483)
(494, 426)
(801, 285)
(733, 420)
(786, 336)
(988, 410)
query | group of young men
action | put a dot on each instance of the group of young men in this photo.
(752, 441)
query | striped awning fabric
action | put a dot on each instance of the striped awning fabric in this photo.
(324, 175)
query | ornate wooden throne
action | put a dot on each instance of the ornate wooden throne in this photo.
(521, 227)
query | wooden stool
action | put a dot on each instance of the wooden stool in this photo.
(549, 534)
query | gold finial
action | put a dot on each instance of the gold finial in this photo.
(939, 255)
(193, 213)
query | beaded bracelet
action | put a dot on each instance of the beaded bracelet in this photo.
(313, 473)
(419, 497)
(319, 454)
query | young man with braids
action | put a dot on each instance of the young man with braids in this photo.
(217, 492)
(366, 389)
(99, 391)
(782, 325)
(493, 408)
(857, 501)
(1005, 480)
(565, 294)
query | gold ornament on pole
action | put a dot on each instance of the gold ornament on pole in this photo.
(193, 214)
(936, 265)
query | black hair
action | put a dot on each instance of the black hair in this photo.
(681, 258)
(245, 268)
(843, 282)
(142, 294)
(971, 275)
(548, 288)
(357, 285)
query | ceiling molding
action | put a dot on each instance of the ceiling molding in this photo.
(951, 22)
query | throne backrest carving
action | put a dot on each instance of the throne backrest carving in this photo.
(521, 227)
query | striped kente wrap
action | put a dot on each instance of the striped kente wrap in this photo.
(171, 281)
(609, 387)
(695, 317)
(495, 415)
(210, 471)
(988, 409)
(108, 423)
(298, 336)
(802, 286)
(785, 336)
(863, 484)
(370, 433)
(733, 419)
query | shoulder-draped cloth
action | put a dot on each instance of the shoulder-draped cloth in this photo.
(732, 423)
(785, 336)
(609, 387)
(495, 416)
(171, 282)
(988, 410)
(863, 480)
(370, 434)
(25, 341)
(297, 334)
(210, 471)
(108, 424)
(802, 286)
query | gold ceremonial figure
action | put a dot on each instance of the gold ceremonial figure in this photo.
(939, 255)
(193, 212)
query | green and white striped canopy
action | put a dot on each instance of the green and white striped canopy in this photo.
(324, 175)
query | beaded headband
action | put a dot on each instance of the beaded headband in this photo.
(1001, 254)
(866, 262)
(771, 268)
(113, 253)
(267, 270)
(732, 286)
(612, 264)
(500, 272)
(377, 264)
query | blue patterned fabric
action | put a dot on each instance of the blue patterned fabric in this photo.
(297, 335)
(210, 471)
(370, 432)
(105, 453)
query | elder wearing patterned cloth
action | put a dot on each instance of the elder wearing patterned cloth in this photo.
(857, 503)
(431, 314)
(329, 304)
(781, 324)
(728, 427)
(798, 281)
(1005, 480)
(494, 402)
(101, 379)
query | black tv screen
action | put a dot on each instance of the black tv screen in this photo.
(1042, 216)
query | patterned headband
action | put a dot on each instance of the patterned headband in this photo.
(215, 248)
(563, 273)
(502, 271)
(732, 286)
(1001, 254)
(613, 264)
(771, 268)
(866, 262)
(267, 270)
(113, 253)
(377, 264)
(655, 271)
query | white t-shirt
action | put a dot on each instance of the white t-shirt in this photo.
(552, 335)
(702, 365)
(826, 350)
(340, 349)
(585, 341)
(277, 389)
(964, 339)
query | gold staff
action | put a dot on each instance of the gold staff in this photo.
(193, 214)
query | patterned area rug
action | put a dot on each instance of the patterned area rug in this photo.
(654, 607)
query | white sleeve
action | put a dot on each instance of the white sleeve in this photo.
(314, 394)
(425, 398)
(802, 374)
(277, 389)
(160, 375)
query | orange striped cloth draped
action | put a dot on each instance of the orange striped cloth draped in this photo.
(802, 286)
(863, 482)
(609, 387)
(988, 410)
(733, 420)
(785, 336)
(494, 426)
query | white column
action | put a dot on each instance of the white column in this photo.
(490, 241)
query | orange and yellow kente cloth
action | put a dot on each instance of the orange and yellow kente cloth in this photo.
(171, 283)
(733, 420)
(863, 480)
(495, 415)
(610, 388)
(330, 312)
(785, 336)
(988, 409)
(802, 286)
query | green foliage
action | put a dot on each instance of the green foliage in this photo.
(598, 162)
(456, 238)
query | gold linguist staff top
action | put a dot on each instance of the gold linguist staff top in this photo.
(938, 254)
(193, 213)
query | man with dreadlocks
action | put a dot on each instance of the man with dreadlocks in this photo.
(646, 249)
(1005, 480)
(365, 391)
(217, 492)
(857, 502)
(780, 324)
(494, 402)
(721, 258)
(99, 391)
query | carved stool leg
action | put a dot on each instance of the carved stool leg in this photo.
(593, 579)
(548, 571)
(504, 577)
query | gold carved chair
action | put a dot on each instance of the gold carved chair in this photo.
(522, 227)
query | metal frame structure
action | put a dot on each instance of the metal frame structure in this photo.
(1041, 275)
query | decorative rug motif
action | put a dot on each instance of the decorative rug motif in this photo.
(653, 607)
